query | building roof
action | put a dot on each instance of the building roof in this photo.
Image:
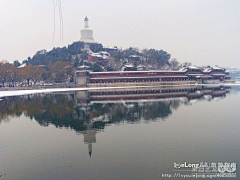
(123, 72)
(195, 74)
(193, 67)
(128, 65)
(208, 69)
(139, 66)
(83, 67)
(218, 68)
(96, 55)
(111, 48)
(22, 65)
(104, 53)
(133, 77)
(134, 56)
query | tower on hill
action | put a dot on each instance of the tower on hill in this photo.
(86, 33)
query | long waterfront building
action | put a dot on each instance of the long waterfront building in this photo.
(187, 75)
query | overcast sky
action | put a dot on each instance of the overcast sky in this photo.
(204, 32)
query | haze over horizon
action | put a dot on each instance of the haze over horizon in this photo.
(200, 32)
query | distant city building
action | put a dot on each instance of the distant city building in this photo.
(86, 33)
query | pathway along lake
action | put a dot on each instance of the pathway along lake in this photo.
(122, 134)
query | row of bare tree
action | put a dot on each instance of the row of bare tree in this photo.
(57, 72)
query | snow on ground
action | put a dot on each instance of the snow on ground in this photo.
(37, 91)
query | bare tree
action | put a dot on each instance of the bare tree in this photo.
(174, 64)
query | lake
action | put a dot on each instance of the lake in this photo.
(143, 133)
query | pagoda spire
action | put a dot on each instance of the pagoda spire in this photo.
(86, 22)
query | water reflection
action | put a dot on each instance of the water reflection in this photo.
(75, 110)
(88, 112)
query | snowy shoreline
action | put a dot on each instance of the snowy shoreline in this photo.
(52, 90)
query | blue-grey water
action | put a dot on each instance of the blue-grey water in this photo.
(135, 134)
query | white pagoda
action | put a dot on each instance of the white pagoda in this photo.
(86, 33)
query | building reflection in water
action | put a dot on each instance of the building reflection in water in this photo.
(128, 97)
(89, 139)
(88, 112)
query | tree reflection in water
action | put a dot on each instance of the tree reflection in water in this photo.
(87, 112)
(76, 110)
